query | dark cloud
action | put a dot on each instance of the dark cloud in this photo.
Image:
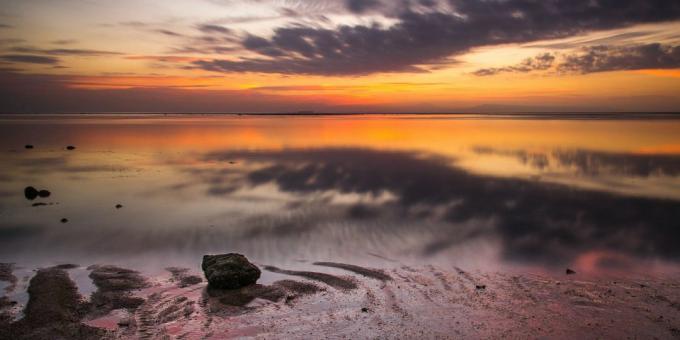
(29, 59)
(64, 51)
(169, 33)
(606, 58)
(422, 38)
(64, 42)
(213, 29)
(597, 59)
(541, 62)
(535, 221)
(360, 6)
(8, 41)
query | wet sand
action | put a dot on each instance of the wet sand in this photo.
(403, 302)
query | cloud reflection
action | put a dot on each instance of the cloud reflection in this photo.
(535, 221)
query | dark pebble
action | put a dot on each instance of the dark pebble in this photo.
(480, 287)
(570, 272)
(28, 146)
(44, 193)
(30, 193)
(118, 206)
(70, 147)
(64, 220)
(364, 310)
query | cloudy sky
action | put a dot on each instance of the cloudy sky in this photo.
(339, 55)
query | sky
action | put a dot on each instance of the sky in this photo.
(388, 56)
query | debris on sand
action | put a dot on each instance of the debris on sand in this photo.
(182, 277)
(28, 146)
(229, 271)
(114, 288)
(54, 310)
(570, 272)
(368, 272)
(70, 147)
(331, 280)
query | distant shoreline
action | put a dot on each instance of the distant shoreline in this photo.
(488, 114)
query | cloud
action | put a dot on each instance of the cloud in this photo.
(29, 59)
(606, 58)
(422, 38)
(169, 33)
(360, 6)
(207, 28)
(64, 41)
(64, 51)
(540, 62)
(597, 59)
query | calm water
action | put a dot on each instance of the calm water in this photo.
(479, 192)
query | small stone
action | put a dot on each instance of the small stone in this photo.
(480, 287)
(118, 206)
(28, 146)
(364, 310)
(229, 271)
(64, 220)
(70, 147)
(44, 193)
(570, 272)
(30, 193)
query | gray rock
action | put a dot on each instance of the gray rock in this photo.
(229, 271)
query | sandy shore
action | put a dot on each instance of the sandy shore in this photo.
(343, 301)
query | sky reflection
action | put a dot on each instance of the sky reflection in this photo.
(290, 189)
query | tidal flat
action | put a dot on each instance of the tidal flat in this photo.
(363, 226)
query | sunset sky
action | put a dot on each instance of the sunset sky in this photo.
(339, 55)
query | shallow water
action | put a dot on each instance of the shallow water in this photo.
(488, 192)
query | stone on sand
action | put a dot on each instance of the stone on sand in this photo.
(229, 271)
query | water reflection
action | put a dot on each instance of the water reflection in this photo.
(535, 221)
(447, 194)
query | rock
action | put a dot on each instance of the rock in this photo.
(480, 287)
(64, 220)
(570, 272)
(364, 310)
(31, 193)
(70, 147)
(229, 271)
(28, 146)
(118, 206)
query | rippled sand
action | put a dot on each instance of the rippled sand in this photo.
(345, 301)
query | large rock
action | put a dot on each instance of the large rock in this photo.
(229, 271)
